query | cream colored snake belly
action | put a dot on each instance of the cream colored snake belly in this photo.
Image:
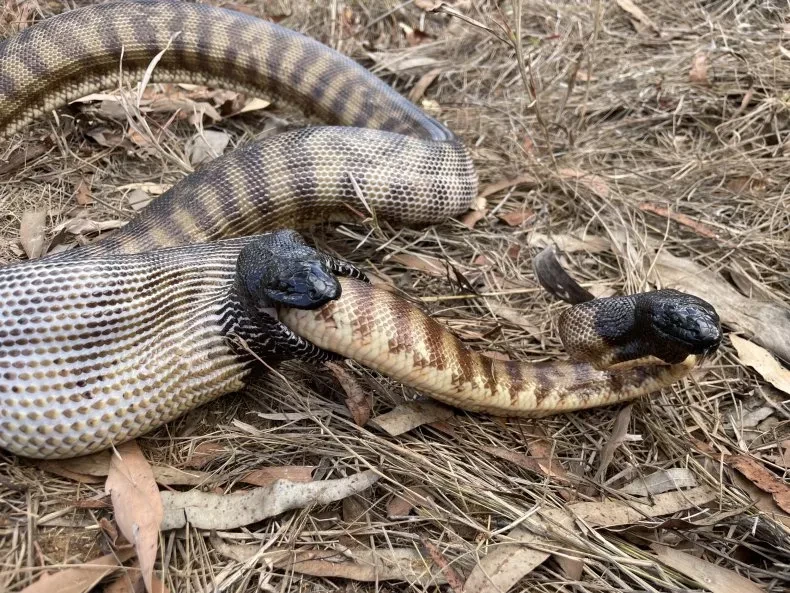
(104, 343)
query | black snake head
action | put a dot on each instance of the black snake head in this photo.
(664, 324)
(679, 324)
(281, 269)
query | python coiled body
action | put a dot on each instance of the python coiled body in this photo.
(103, 343)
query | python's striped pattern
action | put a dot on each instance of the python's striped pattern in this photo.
(106, 342)
(382, 331)
(95, 351)
(408, 167)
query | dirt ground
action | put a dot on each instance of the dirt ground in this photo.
(645, 140)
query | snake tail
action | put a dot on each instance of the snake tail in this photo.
(390, 159)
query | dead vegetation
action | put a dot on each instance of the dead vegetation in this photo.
(646, 140)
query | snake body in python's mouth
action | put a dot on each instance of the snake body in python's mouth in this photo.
(105, 342)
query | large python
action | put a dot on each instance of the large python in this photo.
(105, 342)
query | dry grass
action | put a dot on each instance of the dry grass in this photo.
(608, 97)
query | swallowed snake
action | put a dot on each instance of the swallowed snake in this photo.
(108, 341)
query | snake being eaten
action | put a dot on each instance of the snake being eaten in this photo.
(105, 342)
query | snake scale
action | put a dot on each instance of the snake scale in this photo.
(108, 341)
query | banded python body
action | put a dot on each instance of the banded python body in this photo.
(105, 342)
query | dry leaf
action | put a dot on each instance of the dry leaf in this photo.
(356, 564)
(529, 463)
(698, 73)
(661, 481)
(171, 476)
(206, 510)
(636, 12)
(762, 478)
(423, 263)
(358, 402)
(709, 576)
(82, 193)
(763, 362)
(698, 227)
(268, 475)
(526, 179)
(81, 578)
(542, 451)
(410, 415)
(254, 104)
(516, 217)
(132, 582)
(138, 199)
(612, 513)
(418, 90)
(506, 564)
(471, 218)
(90, 469)
(428, 5)
(204, 453)
(84, 226)
(137, 504)
(594, 183)
(400, 505)
(31, 233)
(615, 439)
(450, 574)
(206, 146)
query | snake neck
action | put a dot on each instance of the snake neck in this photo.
(255, 333)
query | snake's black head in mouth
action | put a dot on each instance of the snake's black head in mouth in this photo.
(678, 324)
(280, 269)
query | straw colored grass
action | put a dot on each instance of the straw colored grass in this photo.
(614, 121)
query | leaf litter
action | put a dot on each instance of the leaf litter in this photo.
(645, 164)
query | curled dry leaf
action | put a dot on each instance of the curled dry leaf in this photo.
(84, 226)
(763, 478)
(355, 564)
(594, 183)
(526, 179)
(410, 415)
(711, 577)
(31, 233)
(698, 73)
(477, 213)
(615, 439)
(661, 481)
(82, 578)
(418, 90)
(517, 217)
(206, 510)
(453, 578)
(611, 513)
(540, 466)
(763, 362)
(400, 505)
(137, 504)
(423, 263)
(204, 453)
(638, 14)
(268, 475)
(206, 146)
(358, 401)
(82, 193)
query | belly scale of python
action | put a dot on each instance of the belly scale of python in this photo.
(106, 342)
